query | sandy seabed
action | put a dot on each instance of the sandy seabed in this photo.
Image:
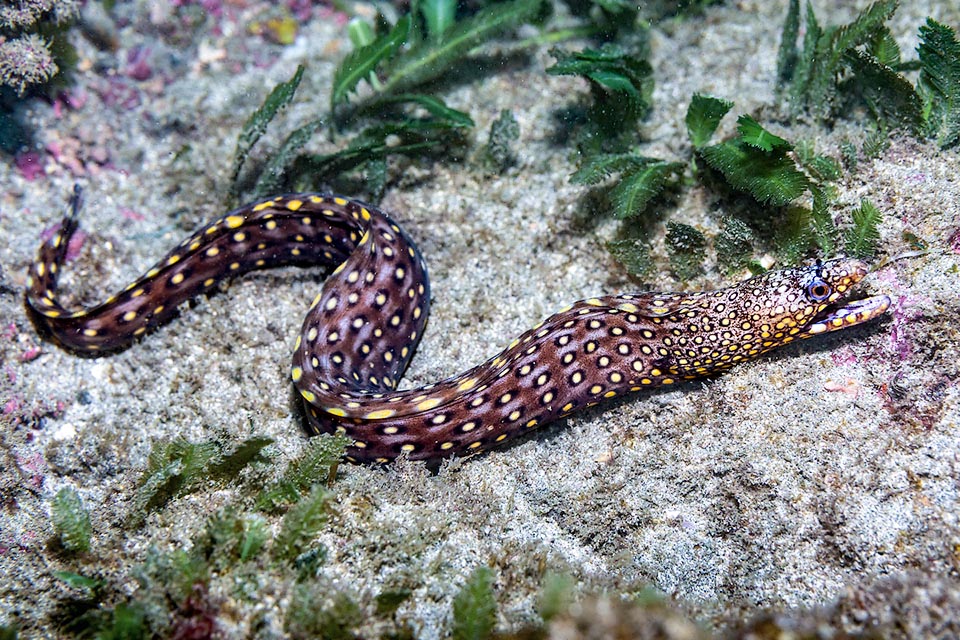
(824, 476)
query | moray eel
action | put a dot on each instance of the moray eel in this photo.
(362, 329)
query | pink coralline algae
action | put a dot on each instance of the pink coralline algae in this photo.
(847, 386)
(130, 214)
(117, 92)
(138, 64)
(78, 157)
(844, 355)
(36, 466)
(18, 410)
(69, 100)
(30, 354)
(29, 164)
(954, 241)
(338, 17)
(12, 406)
(905, 311)
(301, 9)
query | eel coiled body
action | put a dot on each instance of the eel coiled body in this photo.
(362, 328)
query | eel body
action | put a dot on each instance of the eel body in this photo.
(361, 330)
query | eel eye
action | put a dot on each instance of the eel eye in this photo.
(818, 290)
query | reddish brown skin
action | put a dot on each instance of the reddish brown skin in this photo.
(362, 329)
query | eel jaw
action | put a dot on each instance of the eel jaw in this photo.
(853, 312)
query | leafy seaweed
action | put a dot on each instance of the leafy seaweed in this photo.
(821, 168)
(71, 522)
(804, 67)
(883, 46)
(755, 161)
(157, 486)
(794, 234)
(621, 84)
(787, 55)
(426, 58)
(171, 576)
(633, 254)
(318, 611)
(360, 33)
(862, 238)
(375, 175)
(474, 607)
(863, 60)
(301, 524)
(377, 142)
(813, 79)
(257, 123)
(848, 154)
(275, 171)
(311, 467)
(753, 134)
(230, 461)
(395, 133)
(231, 537)
(178, 467)
(875, 142)
(939, 81)
(369, 146)
(687, 248)
(890, 97)
(734, 244)
(79, 582)
(87, 618)
(824, 230)
(360, 63)
(556, 595)
(638, 187)
(703, 117)
(431, 104)
(641, 179)
(504, 133)
(837, 42)
(429, 59)
(777, 172)
(439, 16)
(125, 622)
(770, 177)
(253, 536)
(600, 167)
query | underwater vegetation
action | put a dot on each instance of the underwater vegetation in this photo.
(34, 49)
(32, 39)
(834, 65)
(237, 547)
(866, 56)
(859, 62)
(71, 522)
(393, 61)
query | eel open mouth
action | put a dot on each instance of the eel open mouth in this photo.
(850, 313)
